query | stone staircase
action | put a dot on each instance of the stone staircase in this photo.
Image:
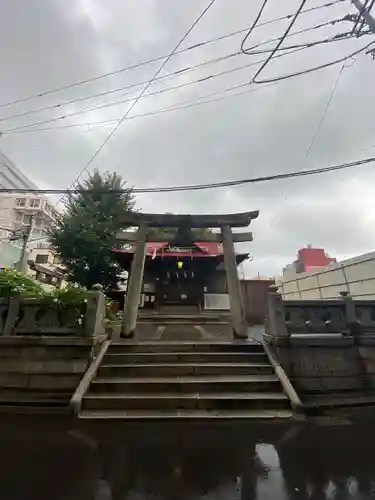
(183, 324)
(185, 380)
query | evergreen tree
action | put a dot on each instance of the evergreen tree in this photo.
(85, 233)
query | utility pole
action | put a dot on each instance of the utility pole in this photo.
(365, 14)
(22, 264)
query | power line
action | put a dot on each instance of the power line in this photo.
(173, 74)
(124, 101)
(358, 20)
(313, 139)
(280, 42)
(315, 68)
(175, 87)
(200, 187)
(194, 103)
(251, 52)
(168, 89)
(253, 26)
(159, 58)
(347, 35)
(135, 102)
(188, 104)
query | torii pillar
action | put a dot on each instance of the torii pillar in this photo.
(133, 293)
(233, 283)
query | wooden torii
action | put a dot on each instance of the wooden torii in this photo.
(145, 223)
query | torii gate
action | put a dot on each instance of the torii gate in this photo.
(145, 222)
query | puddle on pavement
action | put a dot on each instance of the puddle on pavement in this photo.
(161, 464)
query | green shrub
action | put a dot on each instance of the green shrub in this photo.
(12, 281)
(71, 298)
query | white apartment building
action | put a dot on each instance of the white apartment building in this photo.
(16, 208)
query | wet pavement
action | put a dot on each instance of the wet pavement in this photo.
(185, 462)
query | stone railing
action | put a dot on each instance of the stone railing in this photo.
(43, 316)
(343, 316)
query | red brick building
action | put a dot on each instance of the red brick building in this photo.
(310, 259)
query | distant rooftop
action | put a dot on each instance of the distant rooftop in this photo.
(11, 177)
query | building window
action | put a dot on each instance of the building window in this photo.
(34, 203)
(21, 202)
(41, 259)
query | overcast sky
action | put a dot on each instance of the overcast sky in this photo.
(45, 44)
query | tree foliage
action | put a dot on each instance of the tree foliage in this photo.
(12, 281)
(85, 233)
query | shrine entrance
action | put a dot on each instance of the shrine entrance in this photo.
(181, 286)
(181, 265)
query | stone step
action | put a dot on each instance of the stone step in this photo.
(178, 309)
(182, 369)
(182, 319)
(195, 415)
(184, 357)
(181, 385)
(185, 346)
(175, 401)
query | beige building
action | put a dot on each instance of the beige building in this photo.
(15, 212)
(16, 208)
(46, 267)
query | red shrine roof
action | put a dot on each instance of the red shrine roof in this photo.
(157, 252)
(203, 249)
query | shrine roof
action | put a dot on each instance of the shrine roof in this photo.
(202, 249)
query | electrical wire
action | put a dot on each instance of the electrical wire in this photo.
(304, 30)
(280, 42)
(194, 103)
(116, 103)
(256, 20)
(171, 75)
(159, 58)
(313, 139)
(135, 102)
(186, 105)
(176, 87)
(368, 9)
(316, 68)
(123, 101)
(347, 35)
(359, 17)
(200, 187)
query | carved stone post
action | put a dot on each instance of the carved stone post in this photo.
(133, 292)
(12, 315)
(275, 319)
(234, 289)
(95, 312)
(350, 313)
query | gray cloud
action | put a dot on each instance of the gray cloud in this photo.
(265, 132)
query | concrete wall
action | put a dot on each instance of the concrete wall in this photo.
(356, 275)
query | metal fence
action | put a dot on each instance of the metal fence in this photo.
(356, 276)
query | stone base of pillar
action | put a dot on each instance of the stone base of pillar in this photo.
(240, 335)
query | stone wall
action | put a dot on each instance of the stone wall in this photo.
(43, 371)
(45, 349)
(323, 346)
